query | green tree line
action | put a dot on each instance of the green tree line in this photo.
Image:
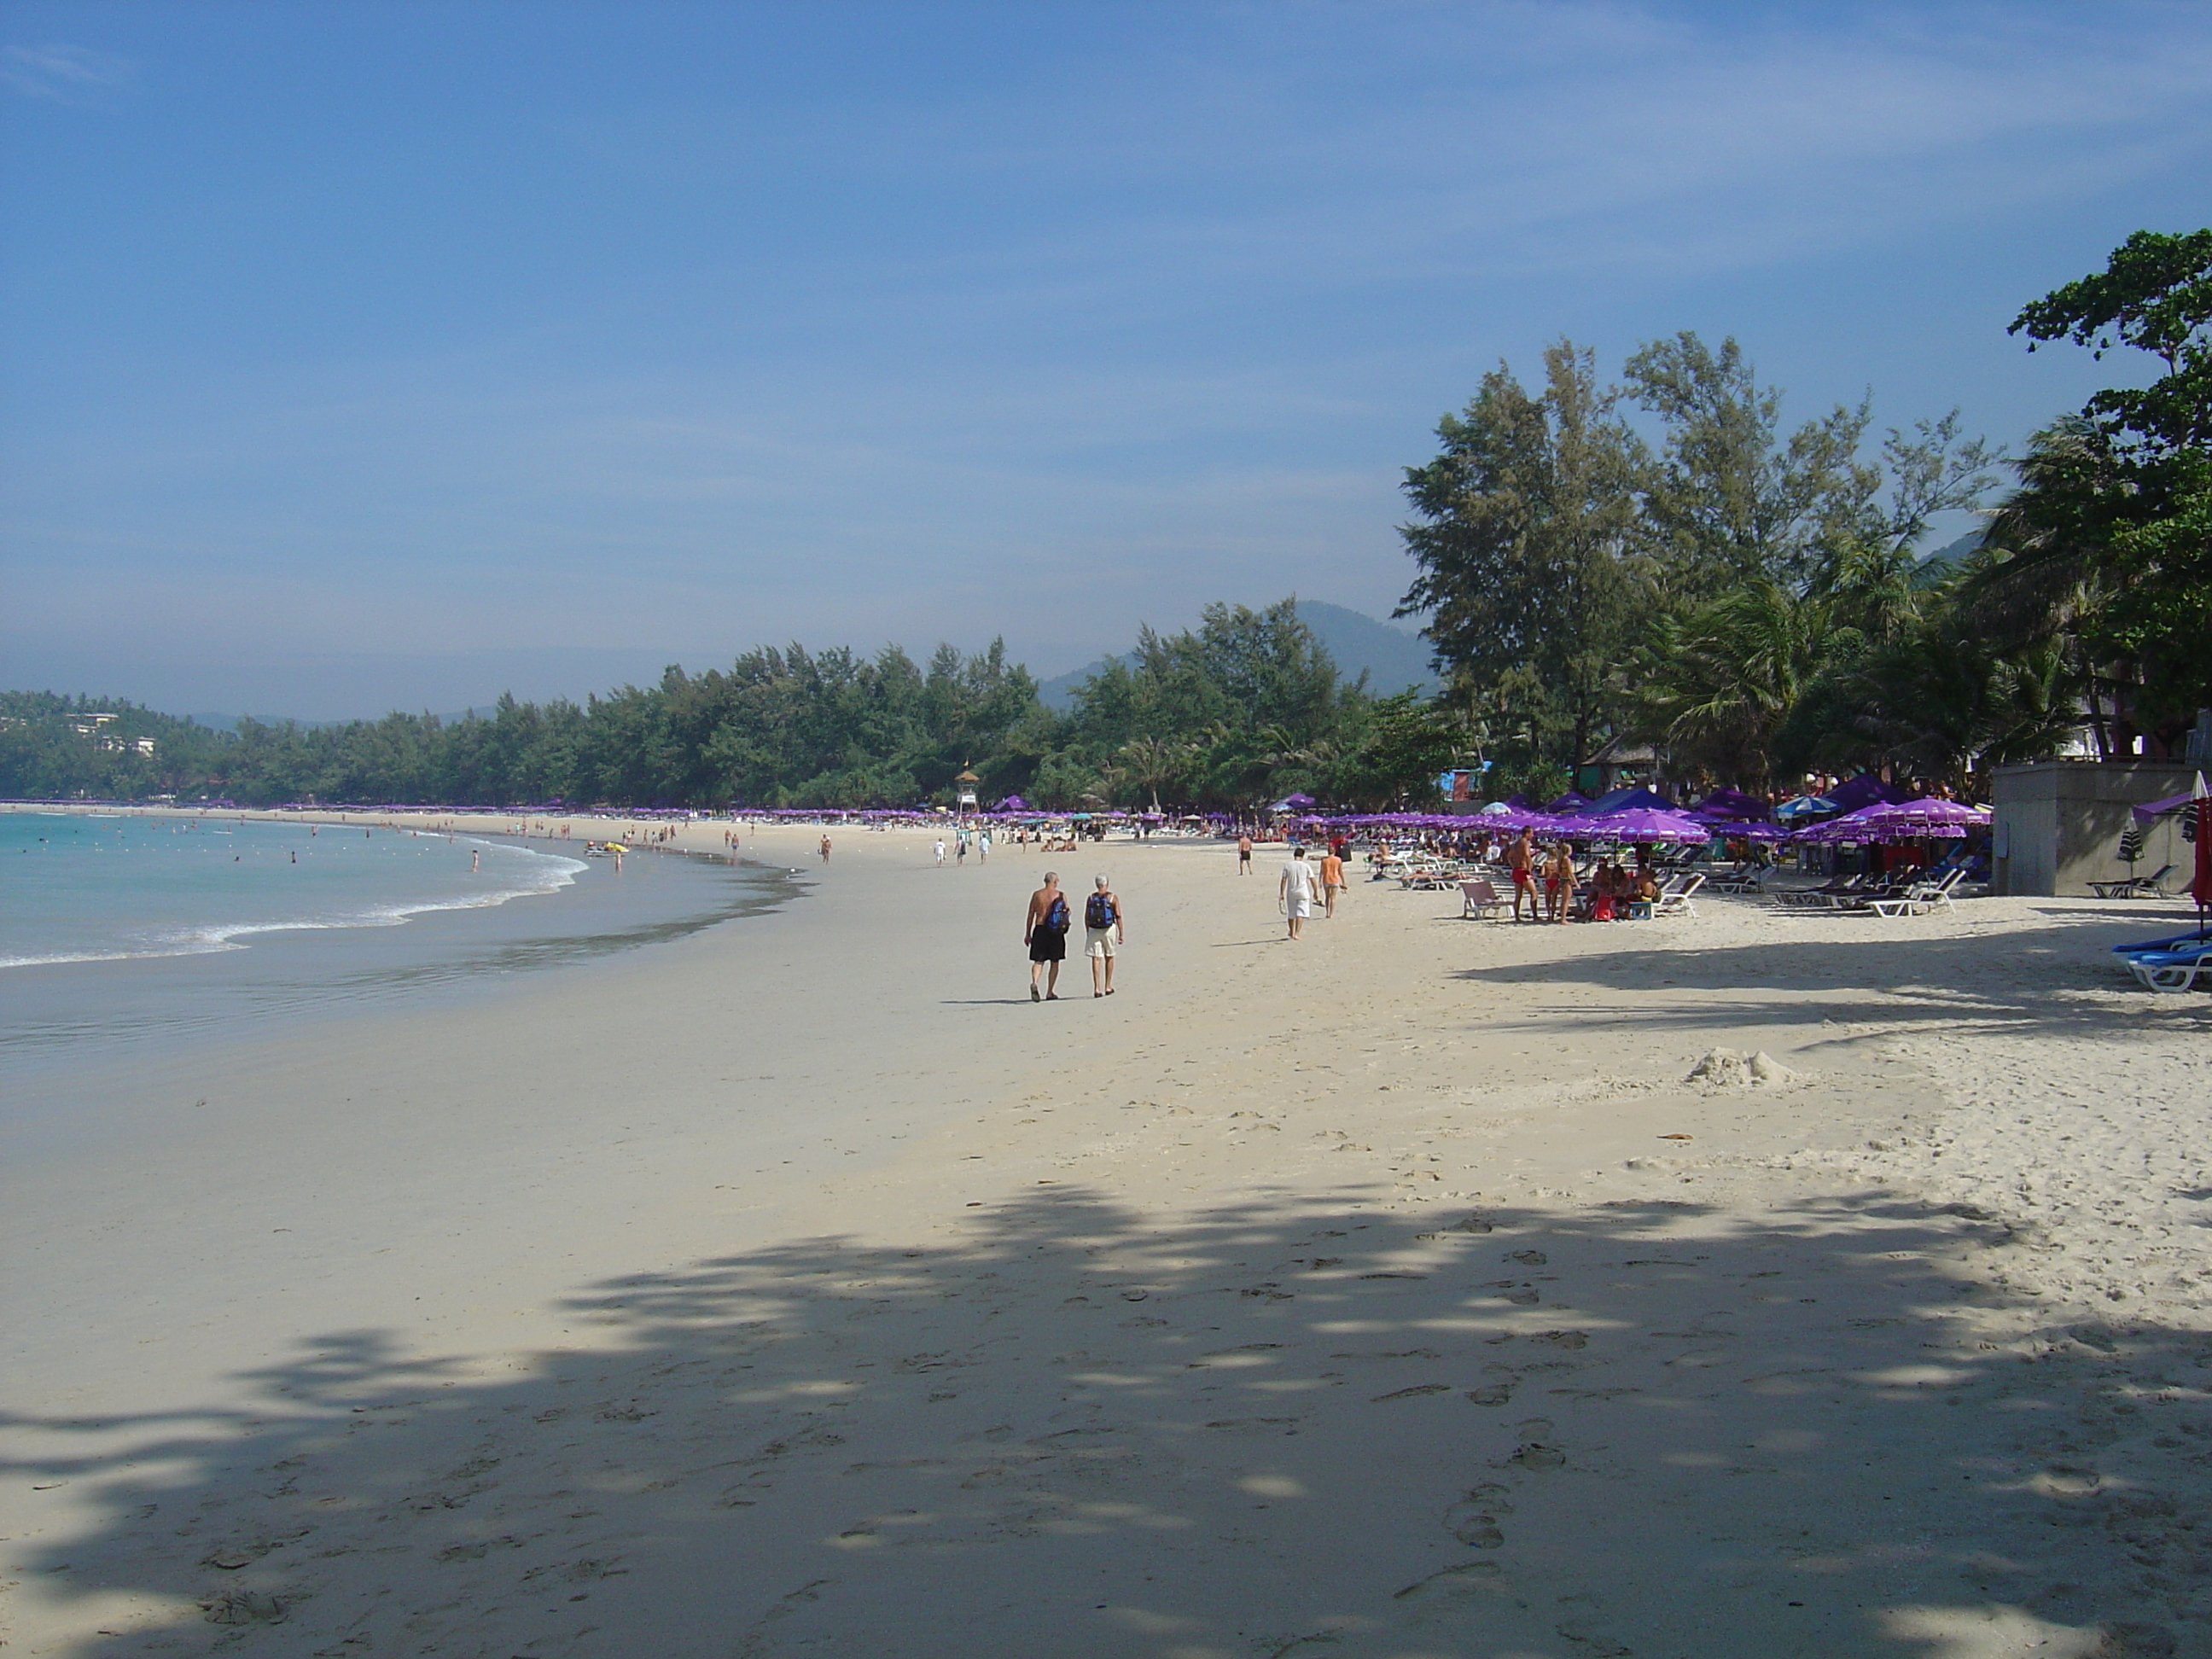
(1663, 559)
(1247, 705)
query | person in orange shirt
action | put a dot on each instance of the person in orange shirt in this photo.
(1332, 879)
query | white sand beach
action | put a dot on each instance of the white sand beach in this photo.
(800, 1288)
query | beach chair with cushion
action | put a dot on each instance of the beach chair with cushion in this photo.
(2165, 943)
(1674, 901)
(2150, 886)
(1744, 879)
(1478, 899)
(2177, 968)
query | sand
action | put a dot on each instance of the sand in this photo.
(801, 1288)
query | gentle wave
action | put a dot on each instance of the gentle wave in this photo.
(224, 936)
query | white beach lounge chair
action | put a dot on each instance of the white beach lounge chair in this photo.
(1478, 899)
(1675, 901)
(1920, 898)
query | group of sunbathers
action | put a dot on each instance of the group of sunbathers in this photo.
(1613, 887)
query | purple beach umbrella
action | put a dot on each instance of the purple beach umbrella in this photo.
(1643, 824)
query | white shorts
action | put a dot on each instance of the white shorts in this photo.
(1299, 906)
(1098, 941)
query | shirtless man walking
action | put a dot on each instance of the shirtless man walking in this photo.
(1243, 855)
(1045, 932)
(1520, 859)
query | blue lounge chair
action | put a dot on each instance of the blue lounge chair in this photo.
(2174, 969)
(2165, 943)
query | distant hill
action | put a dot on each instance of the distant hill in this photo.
(229, 722)
(1935, 566)
(1394, 657)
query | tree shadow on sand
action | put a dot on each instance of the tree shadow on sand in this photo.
(2055, 980)
(1287, 1428)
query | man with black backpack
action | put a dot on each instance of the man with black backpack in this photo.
(1046, 935)
(1102, 932)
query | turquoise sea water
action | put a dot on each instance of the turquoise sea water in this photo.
(119, 929)
(76, 888)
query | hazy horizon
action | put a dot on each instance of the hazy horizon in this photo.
(365, 357)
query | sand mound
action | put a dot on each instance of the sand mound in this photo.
(1726, 1068)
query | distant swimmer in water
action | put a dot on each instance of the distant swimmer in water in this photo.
(475, 859)
(295, 857)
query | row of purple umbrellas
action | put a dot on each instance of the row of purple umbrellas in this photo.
(1929, 817)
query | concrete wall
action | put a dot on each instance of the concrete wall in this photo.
(2055, 824)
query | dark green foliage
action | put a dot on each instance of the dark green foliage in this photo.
(779, 726)
(2121, 499)
(1246, 705)
(53, 746)
(1526, 537)
(1763, 609)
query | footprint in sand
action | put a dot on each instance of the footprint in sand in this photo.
(242, 1607)
(1473, 1519)
(1492, 1394)
(1467, 1573)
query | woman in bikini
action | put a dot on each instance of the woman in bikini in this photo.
(1560, 884)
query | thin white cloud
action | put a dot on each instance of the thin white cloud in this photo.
(61, 74)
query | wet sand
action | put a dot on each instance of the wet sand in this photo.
(799, 1287)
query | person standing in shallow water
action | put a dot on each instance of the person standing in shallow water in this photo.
(1296, 891)
(1045, 932)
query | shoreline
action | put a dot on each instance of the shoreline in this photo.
(834, 1259)
(241, 961)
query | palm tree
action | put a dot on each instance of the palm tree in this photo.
(2042, 573)
(1940, 701)
(1717, 685)
(1149, 762)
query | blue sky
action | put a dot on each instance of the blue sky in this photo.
(364, 355)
